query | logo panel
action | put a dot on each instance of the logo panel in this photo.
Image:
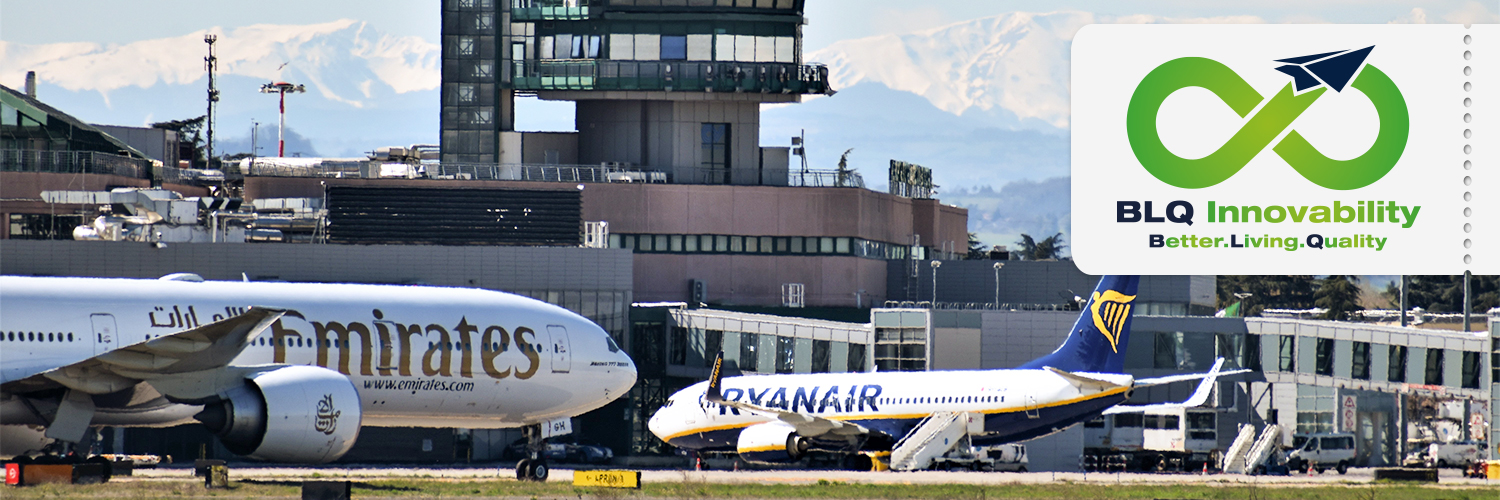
(1110, 310)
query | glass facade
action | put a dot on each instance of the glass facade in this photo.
(768, 245)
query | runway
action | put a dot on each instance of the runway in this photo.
(794, 477)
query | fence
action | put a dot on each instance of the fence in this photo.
(73, 162)
(589, 74)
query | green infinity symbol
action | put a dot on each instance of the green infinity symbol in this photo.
(1262, 128)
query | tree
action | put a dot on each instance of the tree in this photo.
(1446, 293)
(1339, 295)
(189, 133)
(1266, 292)
(1049, 248)
(976, 248)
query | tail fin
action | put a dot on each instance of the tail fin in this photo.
(1098, 339)
(715, 378)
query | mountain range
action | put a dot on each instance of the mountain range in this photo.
(984, 102)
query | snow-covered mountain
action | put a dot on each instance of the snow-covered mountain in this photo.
(984, 103)
(362, 85)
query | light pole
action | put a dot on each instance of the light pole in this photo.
(935, 265)
(281, 89)
(998, 265)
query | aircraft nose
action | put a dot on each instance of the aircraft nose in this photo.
(654, 424)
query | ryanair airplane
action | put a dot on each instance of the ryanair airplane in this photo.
(779, 418)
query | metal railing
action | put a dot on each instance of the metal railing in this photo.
(543, 173)
(552, 10)
(73, 162)
(988, 306)
(694, 76)
(825, 178)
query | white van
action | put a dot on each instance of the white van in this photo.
(1321, 451)
(1459, 454)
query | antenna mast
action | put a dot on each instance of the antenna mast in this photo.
(211, 63)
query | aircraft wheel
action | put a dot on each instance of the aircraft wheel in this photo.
(523, 469)
(539, 471)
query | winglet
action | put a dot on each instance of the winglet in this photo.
(1200, 395)
(714, 379)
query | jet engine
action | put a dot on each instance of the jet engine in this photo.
(300, 414)
(771, 442)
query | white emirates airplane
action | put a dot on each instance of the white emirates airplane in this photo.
(779, 418)
(288, 372)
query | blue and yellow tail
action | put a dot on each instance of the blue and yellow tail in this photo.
(1097, 342)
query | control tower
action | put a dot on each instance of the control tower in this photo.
(670, 86)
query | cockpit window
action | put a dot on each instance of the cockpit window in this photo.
(613, 347)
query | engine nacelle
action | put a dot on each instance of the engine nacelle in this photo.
(771, 442)
(300, 414)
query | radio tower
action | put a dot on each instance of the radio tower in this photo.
(211, 63)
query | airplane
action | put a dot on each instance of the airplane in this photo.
(289, 372)
(779, 418)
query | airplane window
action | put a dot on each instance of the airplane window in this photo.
(49, 337)
(494, 346)
(70, 336)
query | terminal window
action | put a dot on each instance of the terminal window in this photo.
(856, 358)
(785, 357)
(1325, 357)
(715, 157)
(713, 343)
(749, 355)
(1360, 368)
(820, 356)
(1287, 353)
(1471, 370)
(1397, 371)
(1434, 367)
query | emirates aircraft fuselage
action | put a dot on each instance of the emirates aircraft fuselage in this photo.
(418, 356)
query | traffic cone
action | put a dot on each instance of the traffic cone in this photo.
(1205, 468)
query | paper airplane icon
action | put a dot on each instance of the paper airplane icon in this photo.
(1334, 69)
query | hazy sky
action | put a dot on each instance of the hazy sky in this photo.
(121, 21)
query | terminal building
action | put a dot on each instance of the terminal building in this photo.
(675, 199)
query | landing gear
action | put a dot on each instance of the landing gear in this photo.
(534, 467)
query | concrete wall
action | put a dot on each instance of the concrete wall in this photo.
(158, 144)
(534, 147)
(752, 211)
(666, 134)
(1032, 282)
(757, 279)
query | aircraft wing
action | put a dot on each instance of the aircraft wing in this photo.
(1199, 396)
(206, 347)
(805, 424)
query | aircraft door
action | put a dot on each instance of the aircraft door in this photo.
(104, 332)
(1032, 409)
(562, 359)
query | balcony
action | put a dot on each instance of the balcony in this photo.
(552, 10)
(73, 162)
(669, 76)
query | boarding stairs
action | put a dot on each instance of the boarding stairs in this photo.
(934, 437)
(1267, 443)
(1234, 459)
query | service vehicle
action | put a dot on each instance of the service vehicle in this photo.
(1167, 439)
(1457, 454)
(1321, 452)
(1004, 458)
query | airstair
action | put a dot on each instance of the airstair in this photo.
(1234, 459)
(1269, 438)
(935, 436)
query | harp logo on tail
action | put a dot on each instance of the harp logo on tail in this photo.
(1110, 309)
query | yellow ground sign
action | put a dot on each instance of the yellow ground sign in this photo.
(608, 478)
